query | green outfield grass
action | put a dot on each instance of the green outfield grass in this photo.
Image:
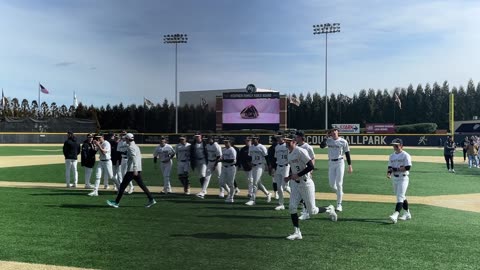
(67, 228)
(385, 151)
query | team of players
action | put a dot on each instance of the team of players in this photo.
(289, 161)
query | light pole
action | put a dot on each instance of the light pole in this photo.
(326, 29)
(175, 39)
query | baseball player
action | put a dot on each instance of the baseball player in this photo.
(272, 163)
(183, 163)
(282, 170)
(122, 148)
(198, 161)
(245, 162)
(134, 172)
(116, 159)
(302, 186)
(258, 153)
(300, 139)
(88, 153)
(227, 176)
(104, 165)
(337, 147)
(71, 149)
(399, 165)
(449, 153)
(165, 153)
(214, 152)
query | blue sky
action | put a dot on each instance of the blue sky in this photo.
(112, 51)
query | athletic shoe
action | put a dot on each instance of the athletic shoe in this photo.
(237, 191)
(150, 203)
(93, 193)
(394, 217)
(200, 195)
(280, 207)
(163, 192)
(276, 195)
(229, 200)
(112, 203)
(453, 171)
(288, 189)
(250, 203)
(304, 216)
(130, 191)
(406, 216)
(295, 236)
(315, 211)
(68, 186)
(221, 195)
(105, 186)
(187, 192)
(88, 186)
(331, 213)
(449, 170)
(269, 197)
(339, 208)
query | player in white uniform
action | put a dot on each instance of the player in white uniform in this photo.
(258, 152)
(337, 147)
(122, 147)
(302, 186)
(183, 163)
(227, 176)
(198, 160)
(282, 170)
(300, 139)
(104, 165)
(165, 153)
(214, 152)
(399, 165)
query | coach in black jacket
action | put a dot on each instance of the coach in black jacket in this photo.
(71, 149)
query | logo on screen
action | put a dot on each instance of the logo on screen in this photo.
(251, 88)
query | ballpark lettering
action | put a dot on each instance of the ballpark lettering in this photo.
(352, 140)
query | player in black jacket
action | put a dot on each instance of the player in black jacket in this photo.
(89, 150)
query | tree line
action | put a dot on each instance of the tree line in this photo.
(420, 104)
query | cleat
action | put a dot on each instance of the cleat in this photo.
(237, 191)
(453, 171)
(280, 207)
(394, 217)
(276, 195)
(229, 200)
(105, 186)
(339, 208)
(331, 213)
(150, 203)
(315, 211)
(93, 193)
(406, 216)
(295, 236)
(221, 195)
(112, 203)
(269, 197)
(88, 186)
(304, 216)
(130, 191)
(200, 195)
(250, 203)
(288, 190)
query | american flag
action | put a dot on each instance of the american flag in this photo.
(398, 101)
(147, 102)
(43, 89)
(294, 100)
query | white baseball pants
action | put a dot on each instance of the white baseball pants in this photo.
(280, 173)
(400, 185)
(211, 168)
(227, 178)
(71, 165)
(105, 167)
(166, 168)
(336, 171)
(123, 168)
(88, 175)
(303, 190)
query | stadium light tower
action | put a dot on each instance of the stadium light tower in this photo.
(175, 39)
(326, 29)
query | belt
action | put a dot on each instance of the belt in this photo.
(336, 159)
(257, 164)
(124, 157)
(104, 159)
(398, 175)
(199, 158)
(298, 181)
(183, 160)
(226, 166)
(212, 160)
(166, 161)
(281, 165)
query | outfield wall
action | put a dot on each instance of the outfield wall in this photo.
(314, 139)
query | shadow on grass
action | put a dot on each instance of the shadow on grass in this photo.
(226, 236)
(382, 221)
(240, 207)
(244, 217)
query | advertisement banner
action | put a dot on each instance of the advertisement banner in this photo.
(383, 128)
(347, 128)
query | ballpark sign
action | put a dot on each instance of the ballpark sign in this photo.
(347, 128)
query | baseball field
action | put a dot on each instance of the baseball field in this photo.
(47, 226)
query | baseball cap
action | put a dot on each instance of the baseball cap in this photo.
(129, 136)
(197, 134)
(98, 135)
(181, 138)
(289, 137)
(89, 135)
(397, 141)
(300, 133)
(254, 137)
(70, 132)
